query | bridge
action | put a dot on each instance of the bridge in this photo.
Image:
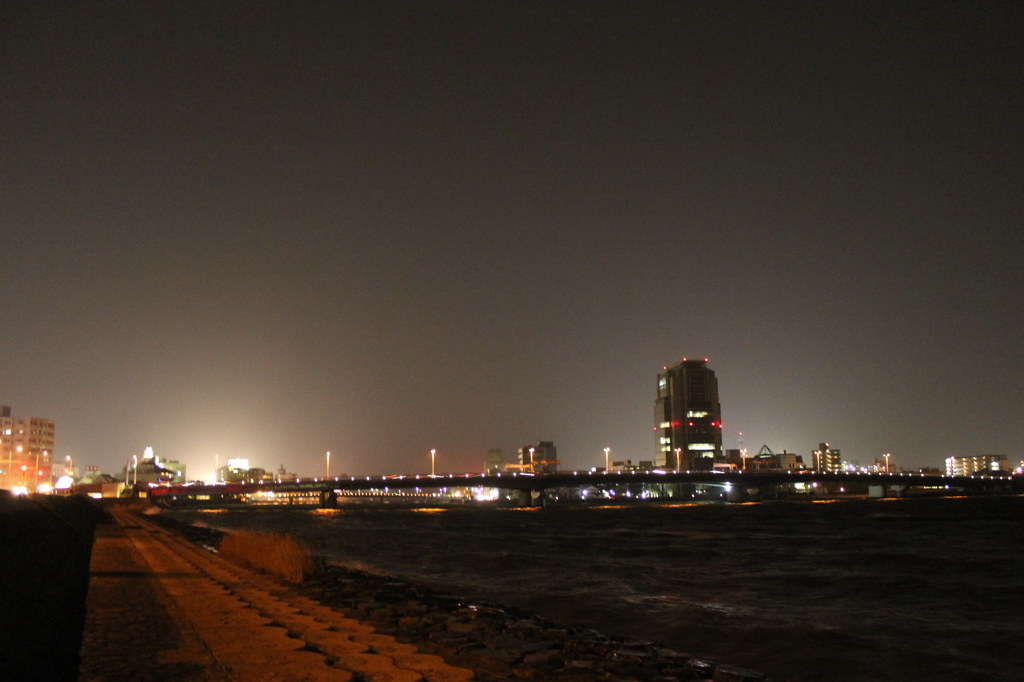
(733, 485)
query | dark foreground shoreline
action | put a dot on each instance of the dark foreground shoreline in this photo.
(44, 578)
(495, 641)
(502, 643)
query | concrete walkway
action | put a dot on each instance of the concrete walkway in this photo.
(160, 608)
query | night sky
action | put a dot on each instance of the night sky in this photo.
(271, 230)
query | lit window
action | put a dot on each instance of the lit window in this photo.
(696, 414)
(700, 446)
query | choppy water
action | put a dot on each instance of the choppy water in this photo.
(926, 589)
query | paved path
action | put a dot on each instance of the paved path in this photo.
(160, 608)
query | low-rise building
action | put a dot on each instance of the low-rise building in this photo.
(285, 475)
(826, 458)
(101, 485)
(152, 469)
(495, 462)
(965, 466)
(766, 460)
(541, 458)
(26, 450)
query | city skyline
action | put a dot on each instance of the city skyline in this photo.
(382, 230)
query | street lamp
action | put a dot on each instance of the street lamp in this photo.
(328, 464)
(606, 451)
(531, 460)
(886, 455)
(10, 461)
(135, 466)
(678, 451)
(432, 453)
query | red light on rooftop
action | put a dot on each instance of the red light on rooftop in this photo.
(705, 359)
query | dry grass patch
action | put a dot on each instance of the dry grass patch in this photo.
(275, 553)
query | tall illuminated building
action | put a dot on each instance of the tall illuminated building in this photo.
(688, 417)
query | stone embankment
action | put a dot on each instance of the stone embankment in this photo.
(199, 617)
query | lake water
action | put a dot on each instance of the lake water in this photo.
(904, 589)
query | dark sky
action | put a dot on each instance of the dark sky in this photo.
(271, 230)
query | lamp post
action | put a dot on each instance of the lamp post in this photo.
(886, 455)
(531, 460)
(606, 451)
(135, 466)
(432, 453)
(328, 464)
(678, 452)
